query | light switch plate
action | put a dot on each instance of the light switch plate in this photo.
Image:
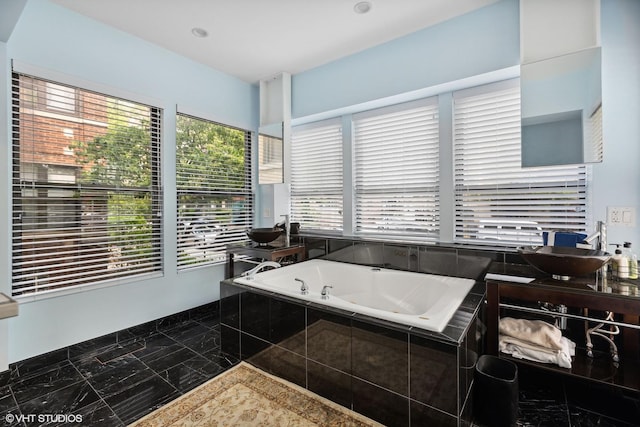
(621, 216)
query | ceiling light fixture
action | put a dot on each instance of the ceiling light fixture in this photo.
(199, 32)
(362, 7)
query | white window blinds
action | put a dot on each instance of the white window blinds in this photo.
(594, 147)
(270, 157)
(496, 200)
(396, 160)
(214, 191)
(86, 187)
(316, 176)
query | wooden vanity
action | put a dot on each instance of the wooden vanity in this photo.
(265, 253)
(502, 296)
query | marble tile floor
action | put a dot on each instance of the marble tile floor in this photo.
(550, 400)
(109, 384)
(114, 384)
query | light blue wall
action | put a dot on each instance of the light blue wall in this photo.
(616, 181)
(553, 142)
(11, 11)
(5, 222)
(487, 40)
(62, 43)
(482, 41)
(52, 37)
(557, 94)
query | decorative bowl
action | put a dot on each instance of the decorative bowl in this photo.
(264, 235)
(564, 262)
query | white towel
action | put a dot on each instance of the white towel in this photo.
(536, 332)
(521, 349)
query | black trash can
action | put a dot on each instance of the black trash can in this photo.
(495, 392)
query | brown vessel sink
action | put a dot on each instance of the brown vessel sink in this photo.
(264, 235)
(564, 262)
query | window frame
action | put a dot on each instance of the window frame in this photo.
(325, 180)
(447, 173)
(502, 203)
(66, 273)
(203, 241)
(393, 177)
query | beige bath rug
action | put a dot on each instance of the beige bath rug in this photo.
(247, 396)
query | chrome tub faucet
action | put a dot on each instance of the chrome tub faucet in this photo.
(304, 289)
(250, 274)
(325, 291)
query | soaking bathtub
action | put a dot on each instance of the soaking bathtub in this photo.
(425, 301)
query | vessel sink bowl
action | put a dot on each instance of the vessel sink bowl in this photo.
(264, 235)
(565, 262)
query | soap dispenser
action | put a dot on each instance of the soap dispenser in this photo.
(620, 263)
(632, 259)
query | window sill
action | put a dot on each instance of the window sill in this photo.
(35, 297)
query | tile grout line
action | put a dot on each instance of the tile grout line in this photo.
(71, 359)
(98, 394)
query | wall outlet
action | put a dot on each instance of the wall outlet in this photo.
(625, 217)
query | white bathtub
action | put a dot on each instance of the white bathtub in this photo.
(423, 300)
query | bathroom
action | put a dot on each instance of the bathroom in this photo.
(52, 50)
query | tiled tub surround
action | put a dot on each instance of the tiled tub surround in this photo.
(546, 398)
(397, 375)
(433, 259)
(447, 259)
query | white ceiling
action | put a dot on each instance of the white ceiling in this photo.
(257, 39)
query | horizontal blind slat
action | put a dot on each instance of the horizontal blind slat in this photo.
(317, 176)
(396, 171)
(214, 190)
(496, 200)
(86, 187)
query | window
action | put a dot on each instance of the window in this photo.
(396, 174)
(496, 200)
(270, 151)
(86, 187)
(61, 98)
(213, 179)
(316, 176)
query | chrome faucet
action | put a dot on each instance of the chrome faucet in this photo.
(304, 290)
(250, 274)
(287, 230)
(325, 291)
(601, 235)
(601, 244)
